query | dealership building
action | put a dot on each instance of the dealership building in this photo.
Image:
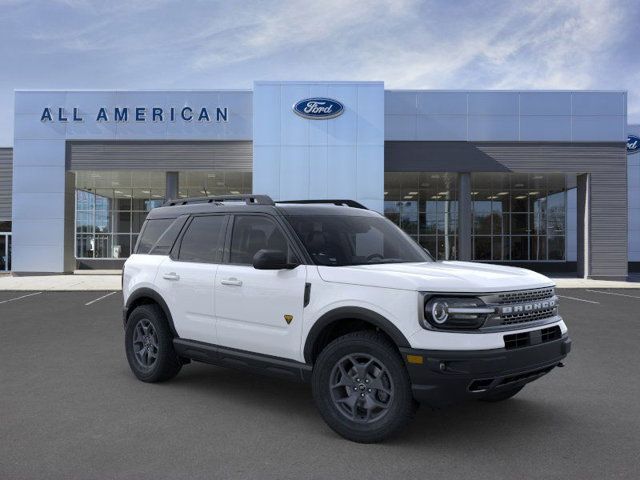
(549, 180)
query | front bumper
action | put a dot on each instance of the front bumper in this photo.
(445, 377)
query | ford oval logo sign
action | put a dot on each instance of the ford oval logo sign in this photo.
(318, 108)
(633, 144)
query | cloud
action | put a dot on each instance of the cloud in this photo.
(490, 44)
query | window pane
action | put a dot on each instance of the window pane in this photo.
(102, 246)
(519, 223)
(254, 233)
(499, 251)
(203, 242)
(84, 222)
(137, 219)
(482, 248)
(84, 246)
(122, 222)
(556, 248)
(429, 242)
(152, 231)
(121, 246)
(538, 248)
(519, 248)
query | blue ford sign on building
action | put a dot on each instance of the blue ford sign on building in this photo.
(633, 144)
(318, 108)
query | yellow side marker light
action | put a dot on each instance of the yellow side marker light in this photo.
(416, 359)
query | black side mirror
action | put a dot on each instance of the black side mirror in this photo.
(271, 260)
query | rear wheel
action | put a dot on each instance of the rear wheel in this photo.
(362, 388)
(149, 345)
(501, 395)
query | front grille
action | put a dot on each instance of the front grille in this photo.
(516, 340)
(549, 334)
(524, 339)
(523, 317)
(525, 295)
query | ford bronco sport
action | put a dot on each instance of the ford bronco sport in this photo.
(334, 294)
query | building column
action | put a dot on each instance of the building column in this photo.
(464, 216)
(69, 255)
(583, 256)
(172, 186)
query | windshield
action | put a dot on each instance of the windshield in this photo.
(339, 240)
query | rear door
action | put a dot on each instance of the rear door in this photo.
(259, 310)
(187, 277)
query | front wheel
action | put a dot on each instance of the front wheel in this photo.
(362, 388)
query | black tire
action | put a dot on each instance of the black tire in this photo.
(501, 395)
(159, 362)
(357, 422)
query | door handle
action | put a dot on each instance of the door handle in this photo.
(171, 276)
(231, 281)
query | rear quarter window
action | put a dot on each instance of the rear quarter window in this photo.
(156, 236)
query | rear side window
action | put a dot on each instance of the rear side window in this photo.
(152, 231)
(167, 239)
(203, 240)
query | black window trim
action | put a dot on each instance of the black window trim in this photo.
(175, 250)
(285, 228)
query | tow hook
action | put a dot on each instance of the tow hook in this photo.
(561, 365)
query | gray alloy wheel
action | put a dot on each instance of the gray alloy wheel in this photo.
(361, 388)
(145, 343)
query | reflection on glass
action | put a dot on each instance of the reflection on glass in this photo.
(425, 206)
(527, 215)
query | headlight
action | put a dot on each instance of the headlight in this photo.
(455, 313)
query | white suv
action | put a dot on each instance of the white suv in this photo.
(335, 294)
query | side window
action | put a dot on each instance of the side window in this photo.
(203, 241)
(151, 232)
(168, 238)
(252, 233)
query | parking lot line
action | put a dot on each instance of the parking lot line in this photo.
(99, 298)
(23, 296)
(614, 293)
(578, 299)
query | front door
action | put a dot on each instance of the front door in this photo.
(187, 279)
(259, 310)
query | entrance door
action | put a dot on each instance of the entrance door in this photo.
(259, 310)
(186, 280)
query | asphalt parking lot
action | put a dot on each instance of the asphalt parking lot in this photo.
(70, 408)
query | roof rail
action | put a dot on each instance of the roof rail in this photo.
(347, 203)
(248, 199)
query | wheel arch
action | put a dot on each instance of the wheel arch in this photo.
(327, 323)
(146, 296)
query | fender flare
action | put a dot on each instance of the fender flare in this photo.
(145, 292)
(356, 313)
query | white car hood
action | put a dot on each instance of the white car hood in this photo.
(458, 277)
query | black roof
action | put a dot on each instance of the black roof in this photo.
(258, 203)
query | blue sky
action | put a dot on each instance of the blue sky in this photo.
(446, 44)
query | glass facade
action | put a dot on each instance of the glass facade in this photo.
(425, 206)
(208, 184)
(518, 217)
(110, 209)
(111, 206)
(515, 217)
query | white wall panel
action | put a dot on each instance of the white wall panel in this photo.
(342, 157)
